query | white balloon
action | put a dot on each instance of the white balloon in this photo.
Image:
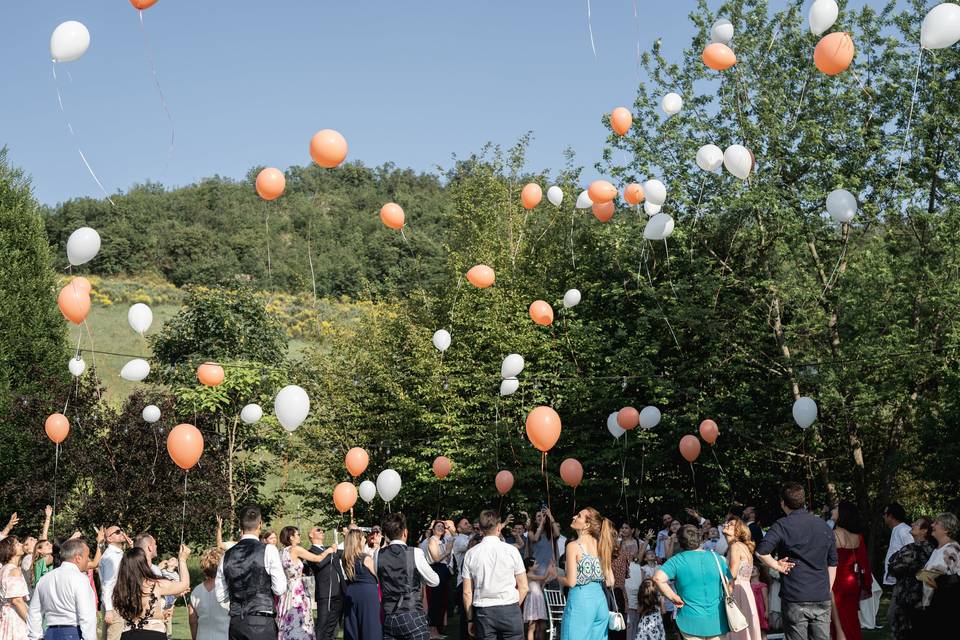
(571, 298)
(841, 205)
(83, 245)
(651, 209)
(823, 13)
(615, 429)
(709, 157)
(941, 26)
(721, 31)
(512, 366)
(77, 366)
(655, 191)
(251, 413)
(804, 412)
(441, 340)
(738, 161)
(649, 417)
(659, 227)
(140, 317)
(135, 370)
(584, 201)
(69, 41)
(291, 406)
(509, 386)
(388, 484)
(555, 195)
(150, 413)
(367, 491)
(671, 103)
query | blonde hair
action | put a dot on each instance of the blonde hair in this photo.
(741, 534)
(603, 531)
(209, 562)
(354, 546)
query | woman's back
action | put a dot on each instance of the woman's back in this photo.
(697, 582)
(589, 568)
(151, 610)
(361, 573)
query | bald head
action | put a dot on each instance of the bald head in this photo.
(316, 536)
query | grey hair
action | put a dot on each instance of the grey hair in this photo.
(950, 523)
(73, 549)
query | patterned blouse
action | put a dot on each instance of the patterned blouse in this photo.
(588, 568)
(619, 565)
(908, 591)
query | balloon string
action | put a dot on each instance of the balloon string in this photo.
(913, 99)
(803, 91)
(93, 354)
(183, 515)
(836, 269)
(496, 433)
(163, 99)
(643, 461)
(696, 500)
(574, 501)
(590, 29)
(636, 20)
(93, 174)
(573, 255)
(546, 480)
(664, 313)
(56, 471)
(416, 261)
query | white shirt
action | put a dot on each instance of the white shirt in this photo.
(632, 585)
(213, 617)
(493, 566)
(271, 563)
(899, 538)
(108, 567)
(426, 572)
(460, 544)
(661, 548)
(63, 596)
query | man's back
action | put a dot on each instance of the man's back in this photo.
(492, 566)
(808, 542)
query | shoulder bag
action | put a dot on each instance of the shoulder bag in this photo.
(735, 618)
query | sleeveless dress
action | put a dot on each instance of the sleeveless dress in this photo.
(12, 626)
(743, 596)
(585, 617)
(758, 589)
(294, 618)
(361, 605)
(852, 565)
(535, 604)
(151, 625)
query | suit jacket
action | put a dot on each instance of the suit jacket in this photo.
(328, 577)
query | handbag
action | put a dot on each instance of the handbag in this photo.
(735, 618)
(615, 620)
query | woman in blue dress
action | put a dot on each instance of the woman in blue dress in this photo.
(361, 613)
(588, 569)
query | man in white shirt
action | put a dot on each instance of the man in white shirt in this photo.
(109, 564)
(494, 584)
(64, 599)
(249, 576)
(461, 541)
(894, 516)
(402, 571)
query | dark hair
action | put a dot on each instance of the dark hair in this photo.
(250, 518)
(265, 535)
(128, 592)
(7, 546)
(528, 563)
(896, 511)
(793, 495)
(71, 549)
(848, 517)
(393, 525)
(286, 534)
(688, 538)
(489, 519)
(925, 524)
(648, 598)
(630, 522)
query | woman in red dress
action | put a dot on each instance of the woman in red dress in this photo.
(853, 572)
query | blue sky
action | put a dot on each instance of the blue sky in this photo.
(249, 82)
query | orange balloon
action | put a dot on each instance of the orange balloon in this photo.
(481, 276)
(620, 121)
(541, 312)
(543, 428)
(689, 448)
(344, 496)
(531, 195)
(601, 191)
(834, 53)
(571, 472)
(185, 445)
(719, 56)
(356, 461)
(74, 303)
(142, 4)
(391, 214)
(504, 482)
(709, 431)
(442, 467)
(210, 374)
(270, 183)
(81, 283)
(633, 194)
(628, 418)
(328, 148)
(57, 427)
(603, 211)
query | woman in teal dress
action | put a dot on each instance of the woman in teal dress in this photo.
(696, 574)
(585, 616)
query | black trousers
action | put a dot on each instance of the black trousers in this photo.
(329, 612)
(253, 628)
(503, 622)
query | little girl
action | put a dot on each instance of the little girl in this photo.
(650, 626)
(760, 596)
(535, 604)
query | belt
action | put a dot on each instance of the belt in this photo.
(264, 614)
(63, 626)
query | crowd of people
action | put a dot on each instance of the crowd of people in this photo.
(806, 576)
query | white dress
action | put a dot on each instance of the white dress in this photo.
(213, 617)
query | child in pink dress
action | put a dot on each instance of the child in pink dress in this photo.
(760, 596)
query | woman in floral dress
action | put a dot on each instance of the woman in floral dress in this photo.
(13, 591)
(294, 616)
